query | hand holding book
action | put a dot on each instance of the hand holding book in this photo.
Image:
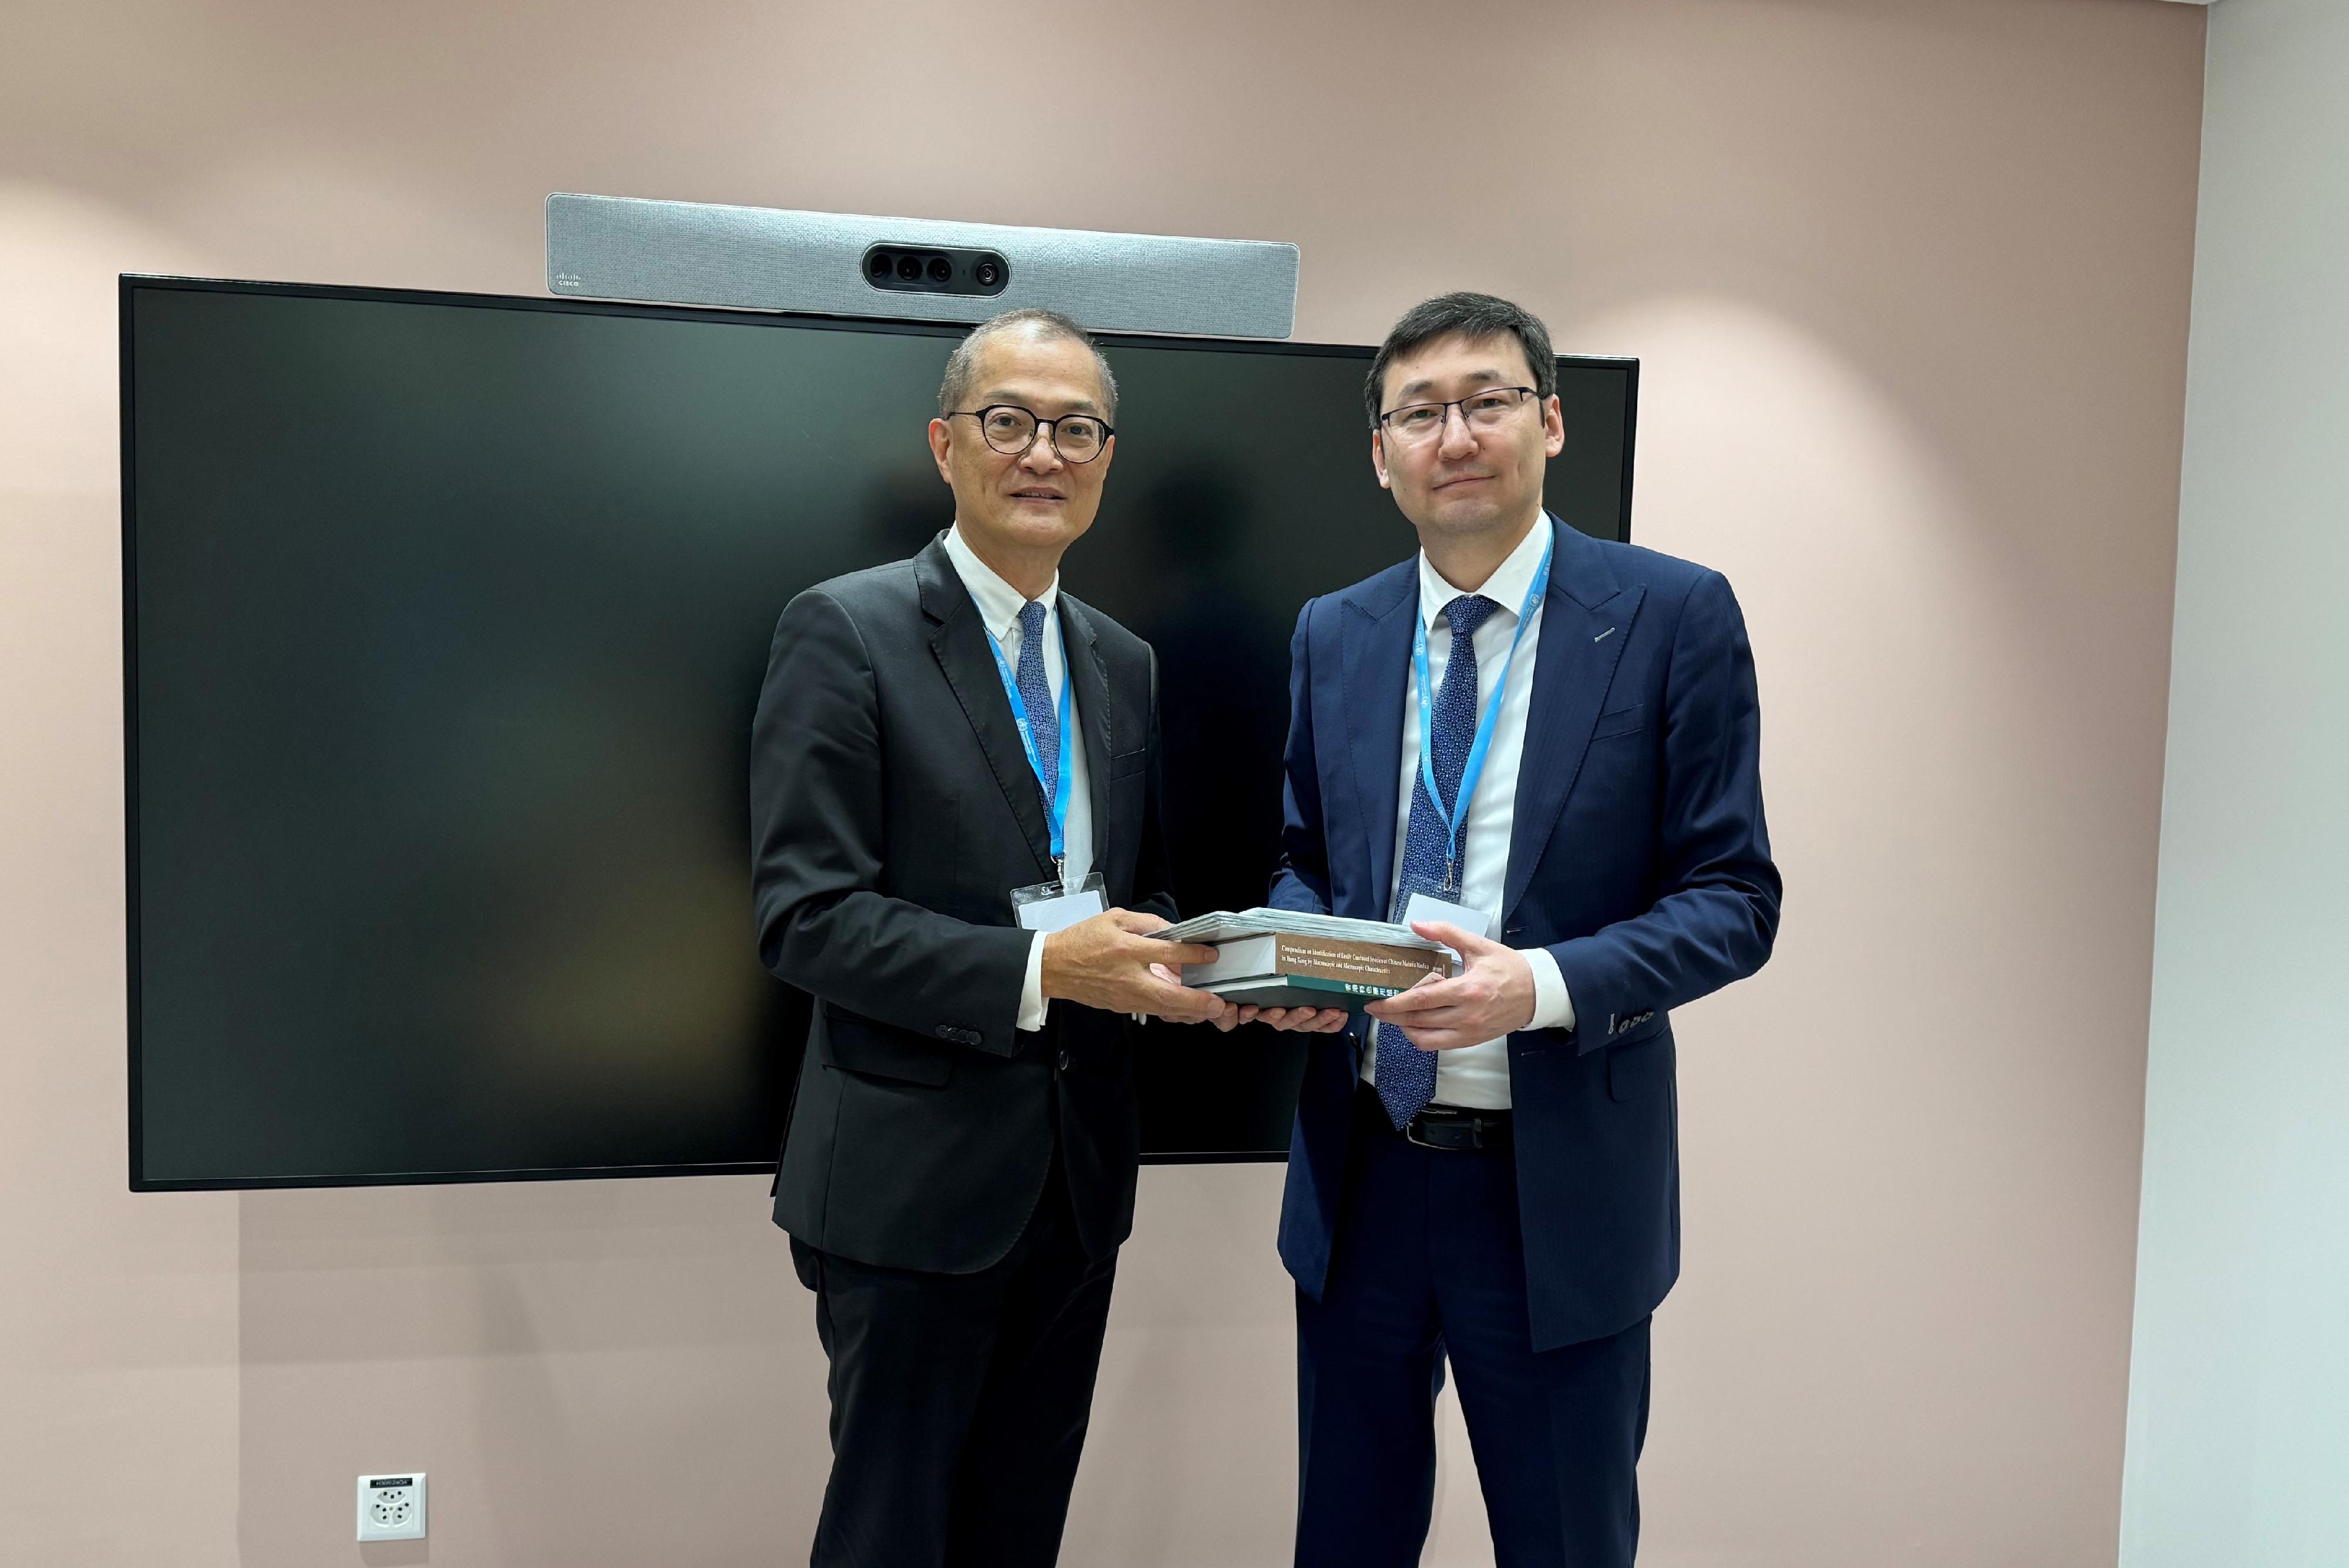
(1297, 1020)
(1107, 963)
(1491, 997)
(1302, 971)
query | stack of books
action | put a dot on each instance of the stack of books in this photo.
(1277, 958)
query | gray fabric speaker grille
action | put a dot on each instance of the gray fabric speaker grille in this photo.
(688, 252)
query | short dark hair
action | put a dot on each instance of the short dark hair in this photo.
(1469, 316)
(963, 363)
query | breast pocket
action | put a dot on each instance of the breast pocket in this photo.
(1628, 721)
(1128, 765)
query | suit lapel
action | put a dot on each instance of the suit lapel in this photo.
(1089, 711)
(1586, 621)
(1376, 648)
(958, 638)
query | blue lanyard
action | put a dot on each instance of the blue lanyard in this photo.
(1455, 819)
(1060, 802)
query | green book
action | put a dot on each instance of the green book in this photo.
(1303, 990)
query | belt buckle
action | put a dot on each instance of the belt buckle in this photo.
(1471, 1135)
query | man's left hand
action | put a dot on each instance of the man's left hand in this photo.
(1493, 996)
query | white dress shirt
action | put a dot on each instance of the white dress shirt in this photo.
(999, 610)
(1479, 1076)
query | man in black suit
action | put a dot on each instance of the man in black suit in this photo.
(954, 791)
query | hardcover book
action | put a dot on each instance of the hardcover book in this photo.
(1308, 960)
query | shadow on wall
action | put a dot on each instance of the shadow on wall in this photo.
(1951, 761)
(60, 255)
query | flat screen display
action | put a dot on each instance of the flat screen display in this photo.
(445, 616)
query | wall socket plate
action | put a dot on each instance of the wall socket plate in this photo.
(391, 1507)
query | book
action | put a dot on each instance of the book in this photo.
(1300, 990)
(1223, 925)
(1373, 967)
(1317, 960)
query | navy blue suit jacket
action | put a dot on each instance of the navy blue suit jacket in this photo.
(1638, 857)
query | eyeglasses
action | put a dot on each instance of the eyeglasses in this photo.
(1011, 431)
(1416, 424)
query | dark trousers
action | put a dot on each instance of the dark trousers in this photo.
(959, 1401)
(1428, 1266)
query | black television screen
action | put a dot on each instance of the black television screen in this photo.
(444, 618)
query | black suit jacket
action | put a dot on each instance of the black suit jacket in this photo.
(892, 811)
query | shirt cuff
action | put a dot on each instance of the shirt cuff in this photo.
(1553, 1008)
(1031, 987)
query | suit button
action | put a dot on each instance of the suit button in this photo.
(1064, 1061)
(945, 1031)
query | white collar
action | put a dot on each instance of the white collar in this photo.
(998, 602)
(1507, 586)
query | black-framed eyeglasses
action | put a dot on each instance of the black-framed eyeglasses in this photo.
(1011, 431)
(1484, 410)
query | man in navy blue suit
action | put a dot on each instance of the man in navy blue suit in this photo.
(1540, 749)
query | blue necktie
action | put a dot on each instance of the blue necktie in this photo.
(1405, 1074)
(1036, 696)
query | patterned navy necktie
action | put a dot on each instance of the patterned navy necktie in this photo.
(1036, 696)
(1405, 1074)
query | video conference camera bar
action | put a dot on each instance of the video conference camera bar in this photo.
(921, 269)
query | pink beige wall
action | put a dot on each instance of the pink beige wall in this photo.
(1909, 280)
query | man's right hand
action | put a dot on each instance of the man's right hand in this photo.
(1300, 1019)
(1104, 963)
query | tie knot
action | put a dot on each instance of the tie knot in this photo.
(1466, 613)
(1031, 622)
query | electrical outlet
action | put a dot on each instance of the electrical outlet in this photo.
(392, 1508)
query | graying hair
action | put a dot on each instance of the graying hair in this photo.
(962, 365)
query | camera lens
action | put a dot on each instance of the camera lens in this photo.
(940, 269)
(881, 264)
(989, 274)
(909, 267)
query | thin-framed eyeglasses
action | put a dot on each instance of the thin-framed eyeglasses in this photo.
(1012, 430)
(1414, 424)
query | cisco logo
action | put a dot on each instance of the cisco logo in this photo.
(568, 280)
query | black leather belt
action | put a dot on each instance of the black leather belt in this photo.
(1452, 1128)
(1457, 1127)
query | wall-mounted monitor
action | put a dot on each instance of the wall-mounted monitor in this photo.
(444, 616)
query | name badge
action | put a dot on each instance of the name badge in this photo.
(1055, 905)
(1424, 907)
